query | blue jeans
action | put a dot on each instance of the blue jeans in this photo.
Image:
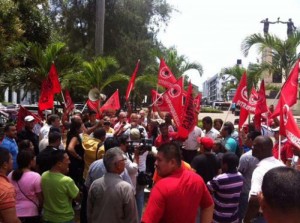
(139, 198)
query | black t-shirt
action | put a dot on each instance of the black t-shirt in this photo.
(206, 165)
(27, 134)
(43, 160)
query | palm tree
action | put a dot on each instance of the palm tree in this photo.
(100, 73)
(32, 64)
(283, 52)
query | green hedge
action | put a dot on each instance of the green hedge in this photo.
(210, 110)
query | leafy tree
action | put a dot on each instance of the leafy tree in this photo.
(101, 73)
(283, 52)
(130, 28)
(33, 64)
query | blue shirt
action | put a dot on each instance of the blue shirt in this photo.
(12, 147)
(230, 144)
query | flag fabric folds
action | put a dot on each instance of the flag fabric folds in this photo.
(252, 101)
(288, 125)
(22, 113)
(93, 105)
(46, 100)
(241, 95)
(159, 101)
(188, 116)
(132, 80)
(53, 76)
(112, 103)
(173, 98)
(290, 89)
(69, 103)
(261, 105)
(165, 75)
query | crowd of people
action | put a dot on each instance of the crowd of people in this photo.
(102, 166)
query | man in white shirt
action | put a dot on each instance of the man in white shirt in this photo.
(208, 128)
(262, 150)
(190, 146)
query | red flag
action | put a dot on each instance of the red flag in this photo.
(46, 100)
(241, 95)
(69, 103)
(243, 117)
(252, 101)
(188, 118)
(93, 105)
(197, 102)
(132, 80)
(22, 113)
(53, 76)
(165, 75)
(173, 98)
(288, 125)
(160, 102)
(290, 89)
(112, 103)
(261, 105)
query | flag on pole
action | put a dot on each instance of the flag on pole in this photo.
(46, 100)
(93, 105)
(69, 103)
(165, 75)
(288, 125)
(290, 89)
(159, 101)
(112, 103)
(241, 95)
(22, 113)
(197, 102)
(173, 98)
(252, 101)
(188, 116)
(261, 105)
(53, 76)
(132, 80)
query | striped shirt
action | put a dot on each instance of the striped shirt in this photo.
(227, 188)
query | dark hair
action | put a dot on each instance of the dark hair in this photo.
(7, 127)
(110, 142)
(54, 129)
(53, 137)
(24, 145)
(4, 155)
(280, 188)
(122, 139)
(57, 156)
(218, 120)
(232, 161)
(253, 134)
(75, 125)
(171, 151)
(164, 124)
(99, 133)
(23, 160)
(207, 120)
(52, 118)
(228, 126)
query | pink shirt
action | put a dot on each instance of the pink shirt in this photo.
(30, 184)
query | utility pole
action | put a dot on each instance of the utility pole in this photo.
(99, 29)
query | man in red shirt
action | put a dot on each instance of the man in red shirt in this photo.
(286, 153)
(7, 194)
(165, 136)
(177, 197)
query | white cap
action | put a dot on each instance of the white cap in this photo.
(29, 118)
(135, 134)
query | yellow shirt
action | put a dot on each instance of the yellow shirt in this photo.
(90, 146)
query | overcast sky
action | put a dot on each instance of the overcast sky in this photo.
(211, 31)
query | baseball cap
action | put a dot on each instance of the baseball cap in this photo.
(206, 142)
(29, 118)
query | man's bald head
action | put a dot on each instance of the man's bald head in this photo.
(262, 147)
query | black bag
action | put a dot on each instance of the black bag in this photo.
(144, 178)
